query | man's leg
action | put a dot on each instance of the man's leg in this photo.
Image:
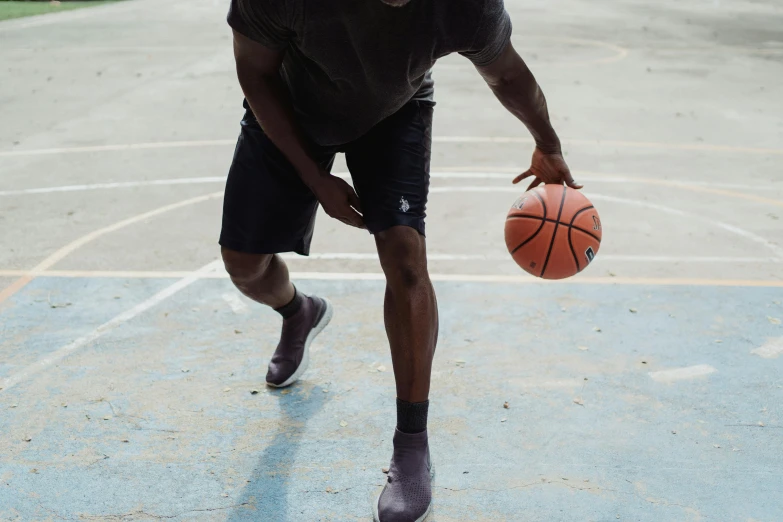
(410, 313)
(390, 169)
(410, 310)
(268, 209)
(261, 277)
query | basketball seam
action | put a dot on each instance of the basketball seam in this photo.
(571, 225)
(526, 241)
(554, 233)
(557, 222)
(573, 252)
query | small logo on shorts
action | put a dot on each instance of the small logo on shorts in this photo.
(589, 254)
(404, 205)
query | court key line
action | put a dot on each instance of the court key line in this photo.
(41, 364)
(61, 253)
(705, 147)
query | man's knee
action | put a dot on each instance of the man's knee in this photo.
(403, 256)
(244, 268)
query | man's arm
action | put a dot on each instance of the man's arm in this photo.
(258, 72)
(517, 89)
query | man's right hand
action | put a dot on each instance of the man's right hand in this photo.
(338, 199)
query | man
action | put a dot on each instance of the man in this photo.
(353, 76)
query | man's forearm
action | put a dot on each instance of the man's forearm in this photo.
(517, 89)
(272, 108)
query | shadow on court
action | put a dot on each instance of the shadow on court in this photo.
(266, 496)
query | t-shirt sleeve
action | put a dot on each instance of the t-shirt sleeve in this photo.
(264, 21)
(492, 35)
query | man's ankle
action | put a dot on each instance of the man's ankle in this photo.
(293, 306)
(412, 416)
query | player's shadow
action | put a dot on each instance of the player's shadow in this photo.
(266, 496)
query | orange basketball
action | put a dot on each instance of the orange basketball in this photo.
(553, 231)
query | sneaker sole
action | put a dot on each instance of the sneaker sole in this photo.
(318, 328)
(375, 505)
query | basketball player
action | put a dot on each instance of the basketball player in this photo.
(353, 76)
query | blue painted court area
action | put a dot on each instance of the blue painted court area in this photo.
(632, 402)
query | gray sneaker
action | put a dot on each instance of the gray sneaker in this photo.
(293, 352)
(407, 495)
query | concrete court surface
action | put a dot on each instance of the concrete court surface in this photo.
(647, 388)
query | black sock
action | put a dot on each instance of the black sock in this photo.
(292, 307)
(412, 416)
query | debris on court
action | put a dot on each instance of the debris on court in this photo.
(773, 320)
(505, 405)
(596, 329)
(185, 370)
(254, 392)
(460, 362)
(633, 310)
(503, 419)
(27, 439)
(579, 401)
(343, 423)
(381, 368)
(583, 348)
(385, 470)
(237, 331)
(55, 305)
(226, 389)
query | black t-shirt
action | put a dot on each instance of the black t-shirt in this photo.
(351, 63)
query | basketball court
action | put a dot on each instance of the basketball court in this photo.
(646, 388)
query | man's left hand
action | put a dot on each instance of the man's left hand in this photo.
(548, 168)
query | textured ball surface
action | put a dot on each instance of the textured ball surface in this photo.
(553, 231)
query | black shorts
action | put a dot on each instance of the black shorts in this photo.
(267, 209)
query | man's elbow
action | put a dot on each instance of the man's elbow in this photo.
(505, 71)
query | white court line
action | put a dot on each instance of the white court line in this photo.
(522, 279)
(706, 147)
(502, 256)
(119, 147)
(678, 374)
(613, 143)
(115, 185)
(582, 176)
(42, 364)
(635, 202)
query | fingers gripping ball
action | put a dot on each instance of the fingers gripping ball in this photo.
(553, 231)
